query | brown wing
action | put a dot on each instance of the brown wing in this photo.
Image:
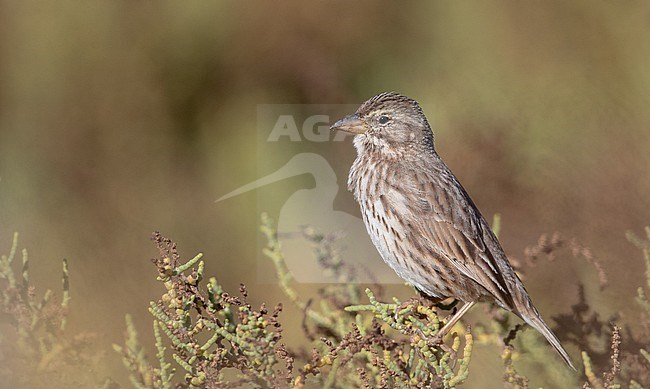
(448, 221)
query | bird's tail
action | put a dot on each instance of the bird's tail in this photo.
(531, 316)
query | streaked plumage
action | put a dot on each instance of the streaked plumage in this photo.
(423, 223)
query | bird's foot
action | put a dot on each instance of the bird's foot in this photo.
(407, 307)
(431, 341)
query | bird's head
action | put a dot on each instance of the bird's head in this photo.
(389, 121)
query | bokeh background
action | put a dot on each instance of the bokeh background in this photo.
(121, 118)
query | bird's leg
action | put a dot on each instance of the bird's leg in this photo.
(454, 319)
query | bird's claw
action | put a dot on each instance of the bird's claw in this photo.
(432, 341)
(411, 303)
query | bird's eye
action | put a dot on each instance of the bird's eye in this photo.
(383, 119)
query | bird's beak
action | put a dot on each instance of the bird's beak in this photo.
(351, 124)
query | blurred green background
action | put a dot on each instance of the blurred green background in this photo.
(120, 118)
